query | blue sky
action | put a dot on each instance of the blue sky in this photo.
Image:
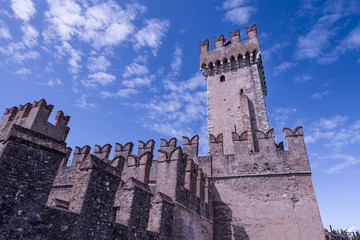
(129, 70)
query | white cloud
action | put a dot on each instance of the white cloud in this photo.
(177, 60)
(4, 31)
(307, 6)
(21, 57)
(127, 92)
(64, 19)
(280, 116)
(23, 72)
(303, 78)
(51, 82)
(183, 103)
(82, 103)
(139, 81)
(354, 229)
(240, 15)
(135, 69)
(351, 41)
(331, 123)
(319, 95)
(99, 78)
(54, 82)
(49, 67)
(30, 35)
(19, 52)
(334, 132)
(23, 9)
(193, 83)
(75, 57)
(151, 34)
(270, 53)
(228, 4)
(312, 44)
(347, 161)
(98, 64)
(236, 12)
(283, 67)
(316, 44)
(102, 24)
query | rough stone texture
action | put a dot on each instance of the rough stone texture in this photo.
(95, 197)
(268, 207)
(235, 104)
(34, 116)
(248, 187)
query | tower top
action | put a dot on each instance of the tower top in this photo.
(225, 50)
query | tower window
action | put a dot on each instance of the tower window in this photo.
(222, 78)
(247, 59)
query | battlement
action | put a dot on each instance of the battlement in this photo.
(170, 175)
(231, 55)
(244, 161)
(35, 117)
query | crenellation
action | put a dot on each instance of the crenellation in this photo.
(168, 146)
(191, 146)
(233, 46)
(204, 46)
(146, 147)
(235, 37)
(80, 153)
(219, 42)
(35, 117)
(216, 145)
(138, 167)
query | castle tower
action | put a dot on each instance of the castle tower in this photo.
(236, 87)
(260, 190)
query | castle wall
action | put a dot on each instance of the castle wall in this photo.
(277, 207)
(259, 195)
(189, 225)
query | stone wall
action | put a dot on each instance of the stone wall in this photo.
(41, 197)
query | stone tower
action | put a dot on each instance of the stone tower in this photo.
(236, 88)
(260, 190)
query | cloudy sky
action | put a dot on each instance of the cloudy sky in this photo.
(129, 70)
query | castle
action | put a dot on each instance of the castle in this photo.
(248, 187)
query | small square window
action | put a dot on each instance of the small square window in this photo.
(222, 78)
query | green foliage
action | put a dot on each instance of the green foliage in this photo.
(350, 235)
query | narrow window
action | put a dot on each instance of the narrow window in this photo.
(211, 68)
(113, 214)
(241, 92)
(233, 63)
(222, 78)
(225, 65)
(247, 59)
(218, 67)
(240, 61)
